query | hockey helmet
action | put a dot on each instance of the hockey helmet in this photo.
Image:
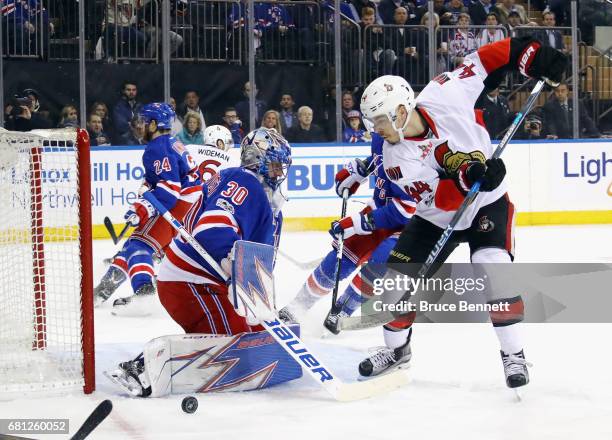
(382, 98)
(219, 137)
(159, 112)
(265, 152)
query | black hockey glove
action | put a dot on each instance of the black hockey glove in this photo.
(493, 171)
(547, 62)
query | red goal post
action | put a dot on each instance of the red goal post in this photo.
(46, 280)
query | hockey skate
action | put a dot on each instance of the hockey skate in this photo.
(139, 304)
(287, 316)
(385, 359)
(111, 280)
(130, 376)
(515, 369)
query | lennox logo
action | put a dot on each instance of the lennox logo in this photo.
(295, 345)
(525, 58)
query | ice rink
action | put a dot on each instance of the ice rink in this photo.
(457, 388)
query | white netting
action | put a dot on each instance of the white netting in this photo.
(40, 267)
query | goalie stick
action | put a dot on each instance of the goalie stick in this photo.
(307, 265)
(380, 318)
(290, 342)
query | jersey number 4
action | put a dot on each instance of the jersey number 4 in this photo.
(235, 192)
(163, 165)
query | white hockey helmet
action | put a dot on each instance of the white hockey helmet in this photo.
(383, 96)
(219, 137)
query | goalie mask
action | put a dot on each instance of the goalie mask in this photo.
(382, 98)
(268, 154)
(219, 137)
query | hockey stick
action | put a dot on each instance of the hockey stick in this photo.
(290, 342)
(376, 319)
(111, 230)
(307, 265)
(95, 418)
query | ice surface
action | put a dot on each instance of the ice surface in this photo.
(457, 389)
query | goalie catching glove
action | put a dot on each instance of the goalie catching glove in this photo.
(351, 176)
(139, 213)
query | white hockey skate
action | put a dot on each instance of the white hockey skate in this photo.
(515, 369)
(130, 377)
(142, 303)
(385, 360)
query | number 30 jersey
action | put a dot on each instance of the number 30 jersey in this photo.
(426, 167)
(235, 207)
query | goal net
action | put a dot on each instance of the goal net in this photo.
(46, 313)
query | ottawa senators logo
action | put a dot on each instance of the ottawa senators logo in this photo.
(451, 161)
(388, 87)
(485, 225)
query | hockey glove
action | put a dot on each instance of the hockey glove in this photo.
(139, 213)
(358, 223)
(492, 171)
(351, 176)
(537, 61)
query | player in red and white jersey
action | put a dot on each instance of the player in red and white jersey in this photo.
(217, 152)
(435, 148)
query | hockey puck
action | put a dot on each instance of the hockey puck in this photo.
(189, 404)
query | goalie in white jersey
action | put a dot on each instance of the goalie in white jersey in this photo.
(435, 149)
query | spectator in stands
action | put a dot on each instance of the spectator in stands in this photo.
(441, 48)
(387, 8)
(506, 7)
(532, 128)
(348, 104)
(242, 107)
(360, 5)
(550, 37)
(192, 130)
(456, 8)
(558, 117)
(136, 134)
(496, 112)
(271, 119)
(21, 21)
(278, 32)
(513, 23)
(355, 132)
(100, 108)
(126, 108)
(479, 11)
(120, 24)
(21, 115)
(463, 42)
(492, 33)
(177, 125)
(439, 8)
(41, 115)
(288, 117)
(379, 57)
(407, 49)
(69, 117)
(191, 103)
(150, 19)
(233, 124)
(95, 129)
(305, 131)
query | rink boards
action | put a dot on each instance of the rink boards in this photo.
(550, 182)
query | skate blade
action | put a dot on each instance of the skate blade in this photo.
(139, 307)
(122, 384)
(518, 395)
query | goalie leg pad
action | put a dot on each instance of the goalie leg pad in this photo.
(202, 363)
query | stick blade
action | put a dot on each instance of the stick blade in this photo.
(349, 392)
(95, 418)
(108, 224)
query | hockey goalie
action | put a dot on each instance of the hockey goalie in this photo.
(224, 348)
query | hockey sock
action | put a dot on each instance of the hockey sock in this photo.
(140, 264)
(510, 338)
(395, 337)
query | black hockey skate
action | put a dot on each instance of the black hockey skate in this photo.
(130, 376)
(287, 316)
(111, 280)
(385, 360)
(515, 369)
(138, 304)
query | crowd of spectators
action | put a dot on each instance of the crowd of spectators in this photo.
(462, 27)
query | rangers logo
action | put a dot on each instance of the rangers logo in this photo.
(394, 173)
(485, 225)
